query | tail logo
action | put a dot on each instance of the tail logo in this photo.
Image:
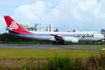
(13, 25)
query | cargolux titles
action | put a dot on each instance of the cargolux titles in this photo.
(84, 35)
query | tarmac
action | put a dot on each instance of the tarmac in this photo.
(50, 46)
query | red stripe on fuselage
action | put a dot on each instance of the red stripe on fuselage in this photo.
(46, 34)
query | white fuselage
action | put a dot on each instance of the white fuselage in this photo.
(66, 36)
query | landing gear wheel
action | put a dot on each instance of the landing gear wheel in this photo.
(62, 42)
(55, 43)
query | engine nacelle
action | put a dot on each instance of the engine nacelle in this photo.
(67, 39)
(74, 40)
(70, 39)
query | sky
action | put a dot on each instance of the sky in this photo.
(66, 15)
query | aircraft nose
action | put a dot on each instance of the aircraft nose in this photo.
(102, 37)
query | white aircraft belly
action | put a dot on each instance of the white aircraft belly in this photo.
(44, 38)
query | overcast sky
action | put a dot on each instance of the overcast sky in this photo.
(82, 15)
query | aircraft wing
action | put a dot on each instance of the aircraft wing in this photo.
(58, 37)
(61, 39)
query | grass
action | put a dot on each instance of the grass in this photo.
(6, 53)
(96, 62)
(56, 59)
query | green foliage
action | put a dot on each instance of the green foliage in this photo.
(25, 66)
(11, 39)
(11, 68)
(28, 65)
(77, 64)
(38, 64)
(63, 63)
(2, 68)
(95, 62)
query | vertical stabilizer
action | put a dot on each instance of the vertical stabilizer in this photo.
(14, 26)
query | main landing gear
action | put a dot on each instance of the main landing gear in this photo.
(58, 42)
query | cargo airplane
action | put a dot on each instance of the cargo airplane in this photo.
(56, 37)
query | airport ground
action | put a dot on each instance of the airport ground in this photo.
(16, 55)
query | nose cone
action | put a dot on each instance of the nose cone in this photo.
(102, 37)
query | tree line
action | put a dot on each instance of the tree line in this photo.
(11, 39)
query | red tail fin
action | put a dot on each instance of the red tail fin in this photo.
(14, 26)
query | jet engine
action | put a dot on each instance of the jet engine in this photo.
(67, 39)
(70, 39)
(74, 40)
